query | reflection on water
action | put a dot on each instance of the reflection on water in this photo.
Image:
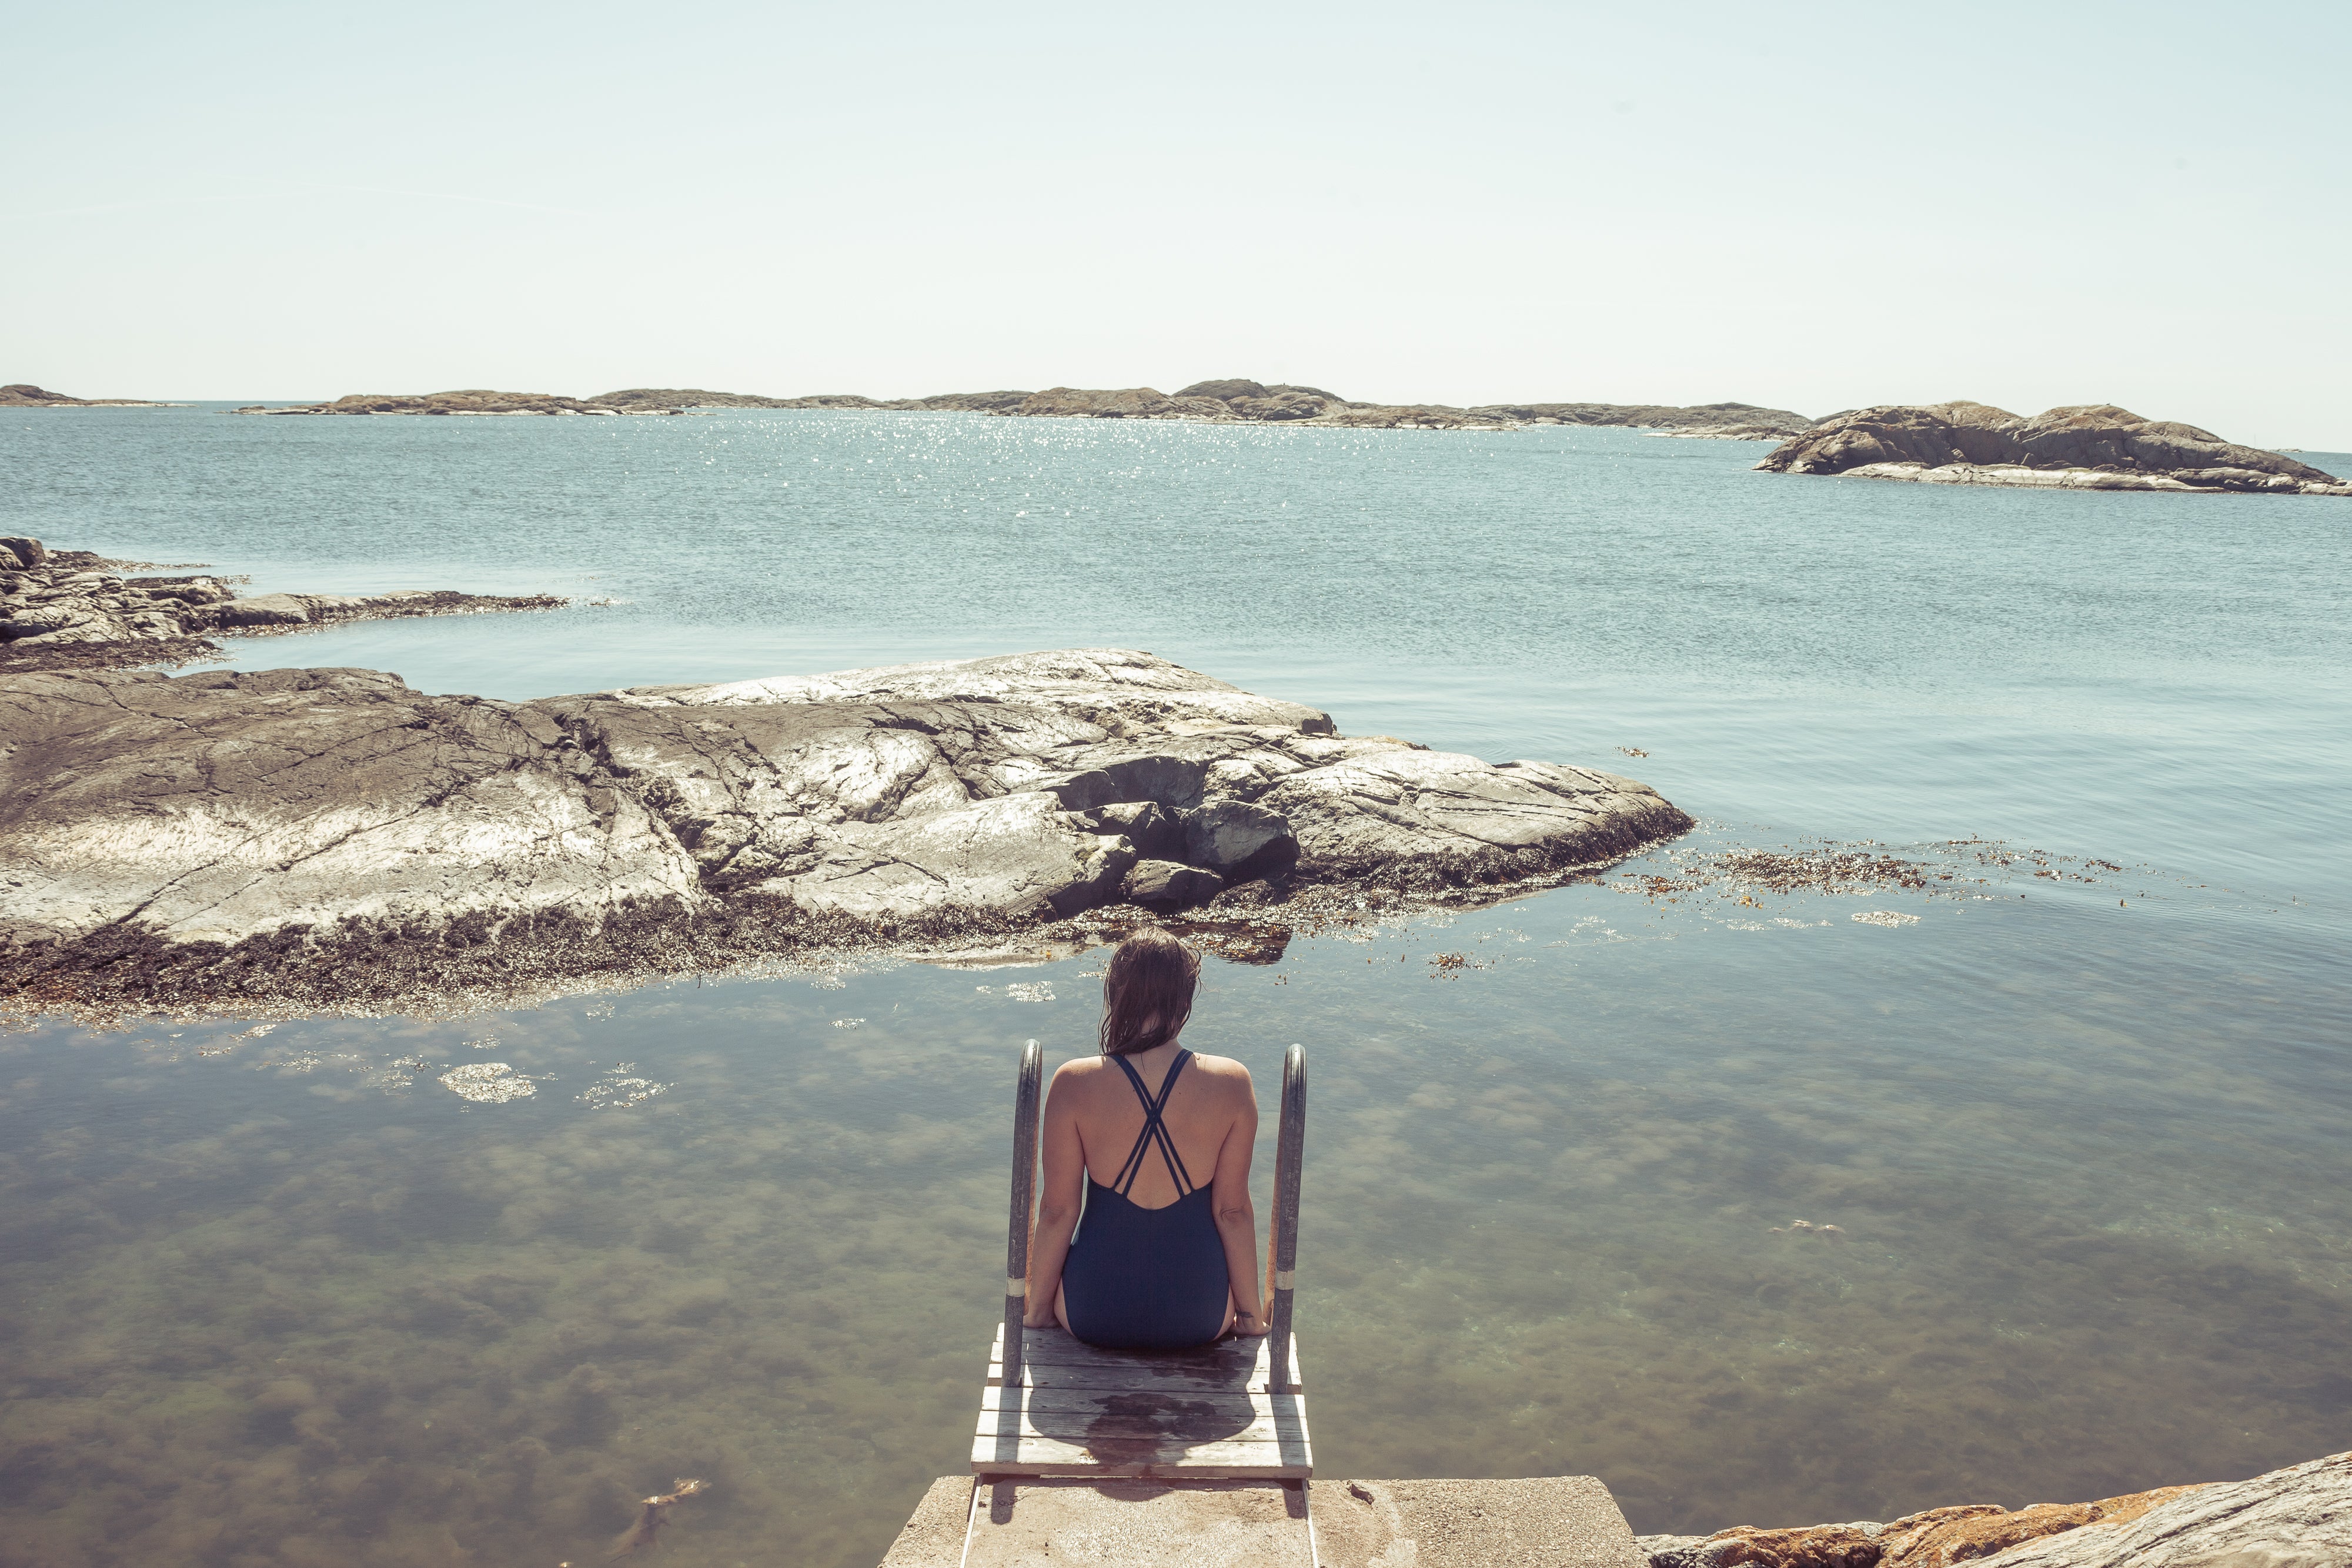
(2075, 1205)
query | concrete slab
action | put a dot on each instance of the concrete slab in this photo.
(933, 1536)
(1556, 1521)
(1139, 1524)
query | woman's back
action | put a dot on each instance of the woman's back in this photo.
(1200, 1112)
(1145, 1236)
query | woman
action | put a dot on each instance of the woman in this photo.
(1164, 1258)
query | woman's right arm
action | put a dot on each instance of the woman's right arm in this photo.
(1059, 1198)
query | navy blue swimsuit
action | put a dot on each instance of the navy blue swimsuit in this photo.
(1147, 1279)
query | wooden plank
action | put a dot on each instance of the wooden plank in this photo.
(1129, 1380)
(1012, 1455)
(1119, 1432)
(1076, 1410)
(1160, 1429)
(1057, 1343)
(1053, 1359)
(1288, 1407)
(1082, 1418)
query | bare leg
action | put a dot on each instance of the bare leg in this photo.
(1061, 1308)
(1230, 1310)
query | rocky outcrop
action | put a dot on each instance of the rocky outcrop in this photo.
(1242, 400)
(1720, 421)
(67, 610)
(676, 400)
(1124, 403)
(663, 400)
(446, 403)
(2092, 446)
(325, 835)
(2300, 1517)
(1938, 1538)
(23, 394)
(965, 403)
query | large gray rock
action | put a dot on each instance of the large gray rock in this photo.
(1169, 884)
(221, 806)
(2090, 446)
(1414, 817)
(919, 804)
(1233, 838)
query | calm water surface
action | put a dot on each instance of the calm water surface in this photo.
(281, 1298)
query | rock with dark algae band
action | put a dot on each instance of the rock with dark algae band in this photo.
(325, 836)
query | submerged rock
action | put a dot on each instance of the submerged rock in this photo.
(2087, 447)
(298, 832)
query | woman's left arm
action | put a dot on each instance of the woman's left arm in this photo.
(1060, 1196)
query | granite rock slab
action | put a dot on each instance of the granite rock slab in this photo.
(141, 812)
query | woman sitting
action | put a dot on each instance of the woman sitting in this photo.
(1163, 1259)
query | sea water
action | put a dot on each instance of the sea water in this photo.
(2080, 1114)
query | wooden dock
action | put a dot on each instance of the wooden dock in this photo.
(1217, 1413)
(1200, 1458)
(1233, 1410)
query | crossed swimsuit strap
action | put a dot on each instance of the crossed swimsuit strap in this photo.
(1154, 1130)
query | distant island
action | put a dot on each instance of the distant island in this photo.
(2088, 446)
(23, 394)
(1231, 401)
(2083, 446)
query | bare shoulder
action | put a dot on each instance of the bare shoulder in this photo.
(1228, 1075)
(1079, 1075)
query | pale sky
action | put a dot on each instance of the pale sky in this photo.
(1808, 207)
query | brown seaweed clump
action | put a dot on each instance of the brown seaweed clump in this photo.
(652, 1514)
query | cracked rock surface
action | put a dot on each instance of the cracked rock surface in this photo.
(162, 835)
(2299, 1517)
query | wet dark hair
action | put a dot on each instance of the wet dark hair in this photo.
(1147, 992)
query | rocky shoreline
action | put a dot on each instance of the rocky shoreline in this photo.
(71, 609)
(311, 839)
(2298, 1517)
(2094, 446)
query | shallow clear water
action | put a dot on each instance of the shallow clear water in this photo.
(2088, 1159)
